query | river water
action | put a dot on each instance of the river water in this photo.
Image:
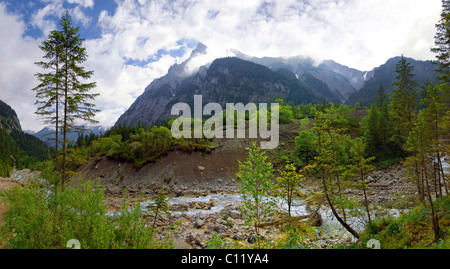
(299, 208)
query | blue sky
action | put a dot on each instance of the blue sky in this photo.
(132, 42)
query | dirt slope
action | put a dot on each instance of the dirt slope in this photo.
(182, 173)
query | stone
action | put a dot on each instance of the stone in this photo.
(201, 168)
(235, 214)
(199, 223)
(251, 239)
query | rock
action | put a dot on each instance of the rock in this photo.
(238, 236)
(199, 223)
(201, 168)
(251, 239)
(235, 214)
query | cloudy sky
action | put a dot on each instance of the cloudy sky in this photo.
(132, 42)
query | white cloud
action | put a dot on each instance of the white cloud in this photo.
(16, 61)
(83, 3)
(80, 17)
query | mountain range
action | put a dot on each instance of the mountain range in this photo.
(48, 135)
(243, 78)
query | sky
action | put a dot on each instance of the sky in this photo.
(132, 42)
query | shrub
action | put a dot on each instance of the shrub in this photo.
(40, 219)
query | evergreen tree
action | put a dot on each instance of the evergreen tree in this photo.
(48, 92)
(403, 100)
(442, 42)
(76, 94)
(442, 50)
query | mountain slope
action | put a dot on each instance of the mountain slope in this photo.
(8, 117)
(17, 148)
(386, 75)
(341, 79)
(226, 80)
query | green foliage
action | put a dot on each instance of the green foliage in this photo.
(286, 114)
(39, 219)
(306, 146)
(159, 207)
(256, 186)
(295, 236)
(412, 229)
(287, 184)
(20, 150)
(218, 242)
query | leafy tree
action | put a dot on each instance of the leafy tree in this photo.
(330, 160)
(419, 143)
(362, 167)
(288, 183)
(256, 186)
(306, 146)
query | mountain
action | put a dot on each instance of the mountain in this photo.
(225, 80)
(17, 148)
(386, 75)
(340, 79)
(246, 79)
(48, 135)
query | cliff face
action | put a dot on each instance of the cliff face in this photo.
(8, 118)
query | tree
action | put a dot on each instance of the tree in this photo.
(48, 92)
(419, 142)
(76, 94)
(362, 168)
(159, 207)
(256, 186)
(288, 183)
(442, 42)
(442, 50)
(403, 99)
(331, 169)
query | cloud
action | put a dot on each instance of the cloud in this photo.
(83, 3)
(16, 61)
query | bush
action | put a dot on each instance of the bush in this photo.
(40, 219)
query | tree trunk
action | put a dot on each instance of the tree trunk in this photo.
(336, 215)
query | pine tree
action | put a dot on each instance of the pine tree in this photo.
(76, 94)
(442, 50)
(442, 42)
(403, 102)
(48, 92)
